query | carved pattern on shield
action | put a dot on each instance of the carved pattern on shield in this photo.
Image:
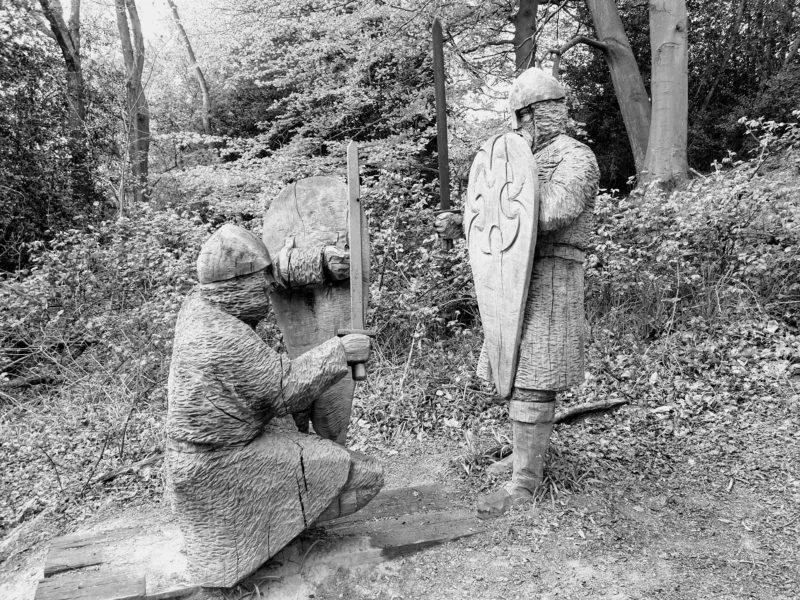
(500, 217)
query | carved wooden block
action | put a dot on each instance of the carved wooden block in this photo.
(243, 504)
(500, 220)
(143, 556)
(309, 216)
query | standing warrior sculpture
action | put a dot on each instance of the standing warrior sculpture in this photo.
(243, 482)
(526, 244)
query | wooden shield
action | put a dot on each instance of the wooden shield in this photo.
(500, 219)
(313, 213)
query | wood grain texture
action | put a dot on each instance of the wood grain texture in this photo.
(500, 220)
(397, 502)
(138, 546)
(79, 551)
(126, 584)
(299, 267)
(225, 384)
(551, 355)
(238, 507)
(313, 213)
(241, 482)
(230, 252)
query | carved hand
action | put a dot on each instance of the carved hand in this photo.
(449, 225)
(356, 348)
(336, 263)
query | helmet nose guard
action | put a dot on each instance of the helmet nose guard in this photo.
(532, 86)
(231, 252)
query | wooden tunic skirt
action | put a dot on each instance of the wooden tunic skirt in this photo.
(551, 355)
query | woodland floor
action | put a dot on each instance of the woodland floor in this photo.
(691, 490)
(676, 520)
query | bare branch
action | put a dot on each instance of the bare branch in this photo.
(487, 44)
(25, 382)
(549, 16)
(578, 39)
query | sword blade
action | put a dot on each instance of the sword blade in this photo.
(441, 116)
(356, 222)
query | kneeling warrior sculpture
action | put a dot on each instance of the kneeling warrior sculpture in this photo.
(243, 483)
(527, 222)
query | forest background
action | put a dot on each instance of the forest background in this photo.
(127, 136)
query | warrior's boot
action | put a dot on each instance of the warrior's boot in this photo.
(532, 423)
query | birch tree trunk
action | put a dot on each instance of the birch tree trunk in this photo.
(634, 103)
(138, 121)
(666, 161)
(524, 34)
(201, 80)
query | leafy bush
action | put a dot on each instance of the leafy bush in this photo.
(727, 241)
(110, 290)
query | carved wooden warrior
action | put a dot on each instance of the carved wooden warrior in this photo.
(527, 221)
(242, 481)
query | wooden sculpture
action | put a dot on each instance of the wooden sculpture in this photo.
(241, 481)
(500, 224)
(542, 270)
(306, 229)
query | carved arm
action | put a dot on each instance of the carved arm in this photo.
(571, 187)
(299, 267)
(305, 378)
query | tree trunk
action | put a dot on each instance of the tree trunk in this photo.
(634, 102)
(69, 41)
(138, 121)
(524, 34)
(201, 80)
(666, 160)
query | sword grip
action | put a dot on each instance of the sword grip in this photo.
(359, 372)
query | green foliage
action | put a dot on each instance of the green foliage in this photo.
(34, 150)
(721, 244)
(49, 173)
(109, 292)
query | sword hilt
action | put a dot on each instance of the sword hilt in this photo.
(359, 369)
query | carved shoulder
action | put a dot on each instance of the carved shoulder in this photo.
(569, 177)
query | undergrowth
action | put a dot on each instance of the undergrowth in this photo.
(693, 303)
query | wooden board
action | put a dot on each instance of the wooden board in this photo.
(313, 212)
(109, 584)
(141, 557)
(500, 221)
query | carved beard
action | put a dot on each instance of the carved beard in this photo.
(242, 297)
(549, 121)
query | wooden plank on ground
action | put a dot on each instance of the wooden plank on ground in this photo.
(77, 551)
(94, 585)
(145, 560)
(364, 544)
(409, 533)
(401, 501)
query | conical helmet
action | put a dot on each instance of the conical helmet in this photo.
(231, 252)
(533, 85)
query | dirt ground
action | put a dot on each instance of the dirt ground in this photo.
(692, 533)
